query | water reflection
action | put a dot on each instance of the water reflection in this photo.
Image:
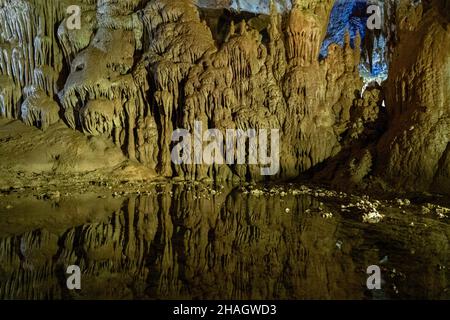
(183, 242)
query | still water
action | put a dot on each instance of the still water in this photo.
(192, 242)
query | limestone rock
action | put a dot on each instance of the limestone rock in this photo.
(415, 148)
(135, 71)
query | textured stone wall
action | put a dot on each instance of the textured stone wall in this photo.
(416, 148)
(138, 70)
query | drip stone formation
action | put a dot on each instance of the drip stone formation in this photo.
(106, 98)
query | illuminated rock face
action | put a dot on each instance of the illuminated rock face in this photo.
(417, 144)
(347, 16)
(30, 59)
(136, 71)
(168, 72)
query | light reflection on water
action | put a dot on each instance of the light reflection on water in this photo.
(180, 243)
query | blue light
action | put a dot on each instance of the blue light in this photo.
(351, 16)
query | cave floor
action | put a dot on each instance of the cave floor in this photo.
(200, 241)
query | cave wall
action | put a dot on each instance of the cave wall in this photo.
(137, 70)
(415, 150)
(30, 60)
(256, 6)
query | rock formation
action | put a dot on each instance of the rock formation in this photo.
(135, 71)
(416, 148)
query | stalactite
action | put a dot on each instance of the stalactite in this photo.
(169, 71)
(29, 47)
(74, 41)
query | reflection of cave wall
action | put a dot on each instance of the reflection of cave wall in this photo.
(177, 247)
(180, 243)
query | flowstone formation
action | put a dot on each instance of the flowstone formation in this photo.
(137, 70)
(30, 60)
(416, 147)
